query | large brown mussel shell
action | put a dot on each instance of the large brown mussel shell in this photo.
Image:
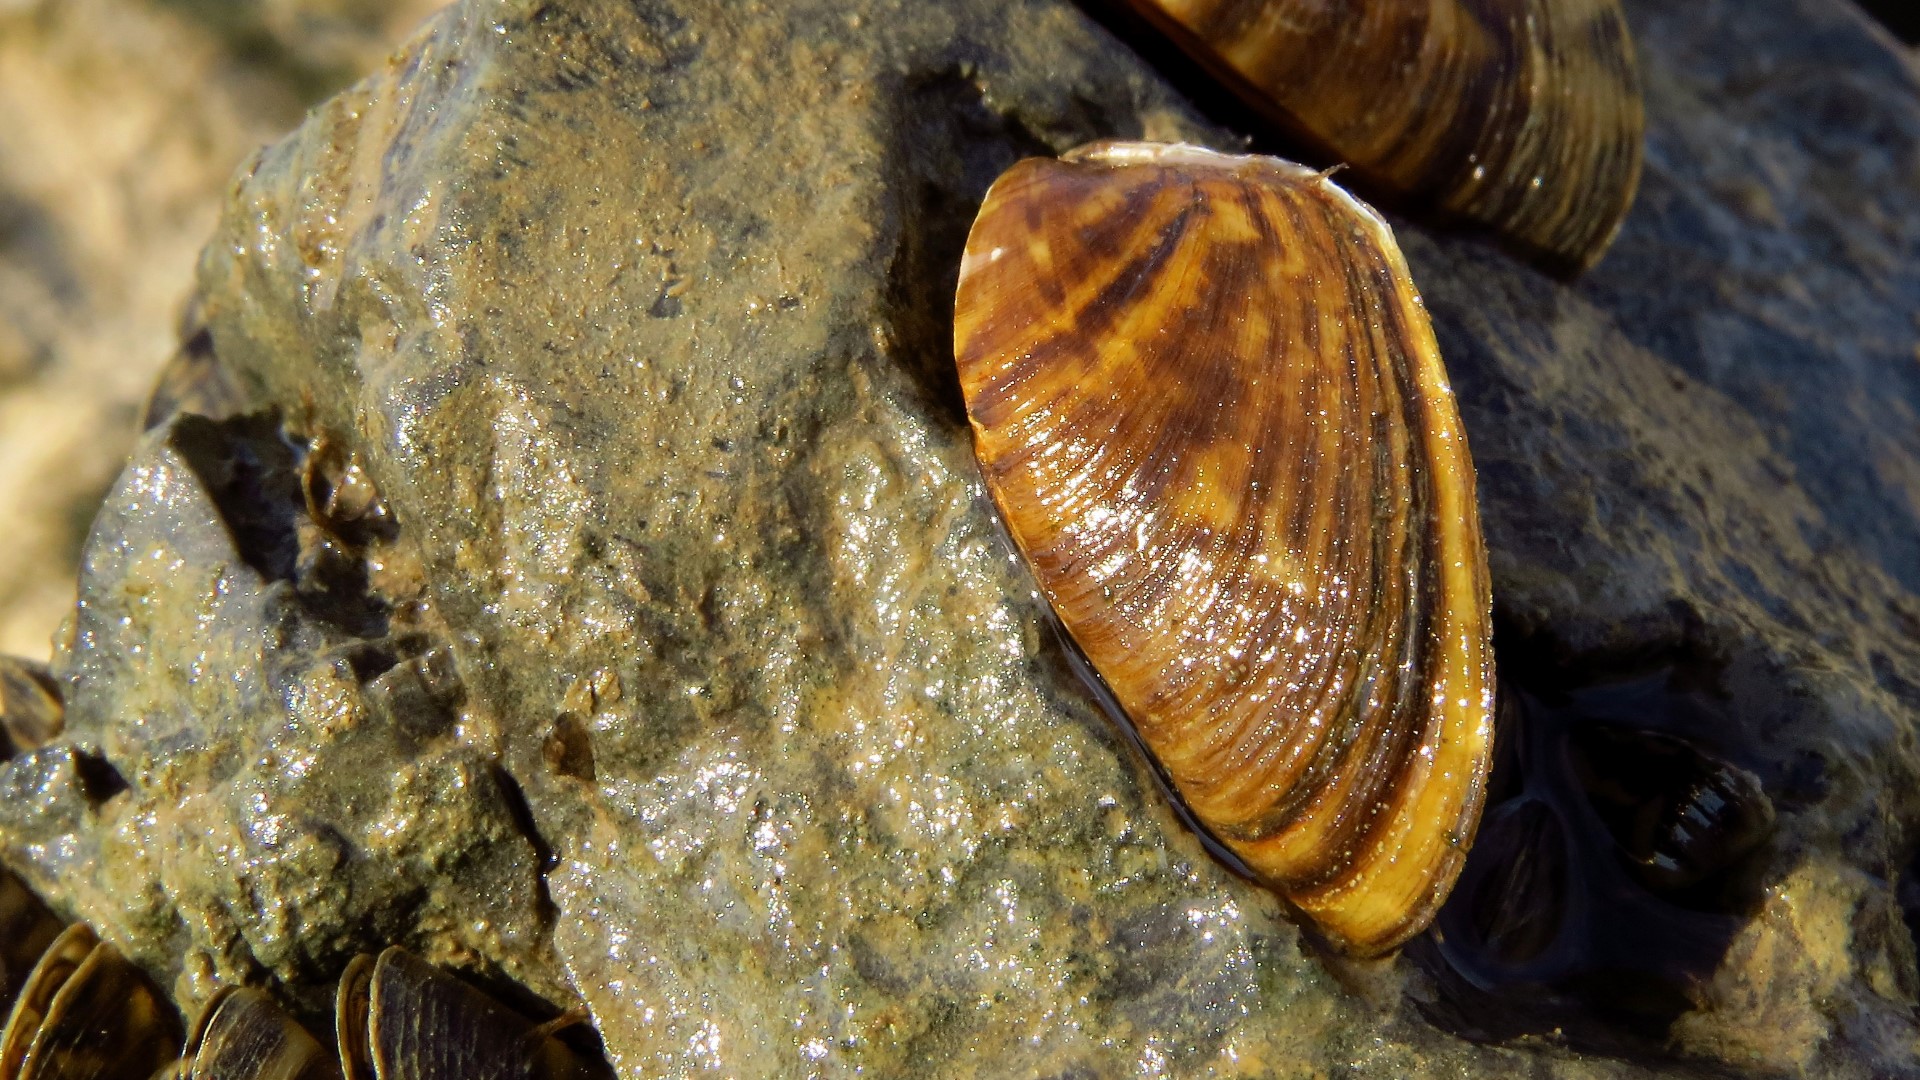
(86, 1013)
(1523, 115)
(1210, 408)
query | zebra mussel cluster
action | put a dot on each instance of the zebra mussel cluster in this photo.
(77, 1009)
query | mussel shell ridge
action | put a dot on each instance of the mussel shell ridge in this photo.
(1209, 406)
(243, 1035)
(353, 1008)
(425, 1024)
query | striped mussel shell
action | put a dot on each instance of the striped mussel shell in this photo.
(83, 1013)
(396, 1017)
(1521, 115)
(400, 1018)
(244, 1035)
(1209, 407)
(27, 930)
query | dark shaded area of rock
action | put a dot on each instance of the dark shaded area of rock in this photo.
(1898, 16)
(1619, 855)
(692, 615)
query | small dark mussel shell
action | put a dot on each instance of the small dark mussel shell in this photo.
(1521, 115)
(27, 930)
(86, 1014)
(243, 1035)
(1680, 817)
(400, 1018)
(1616, 862)
(31, 713)
(341, 498)
(194, 381)
(1210, 409)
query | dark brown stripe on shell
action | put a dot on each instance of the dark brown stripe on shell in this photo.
(1523, 115)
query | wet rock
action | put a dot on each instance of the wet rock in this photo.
(257, 774)
(686, 607)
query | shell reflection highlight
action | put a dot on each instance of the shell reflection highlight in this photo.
(1209, 406)
(1525, 115)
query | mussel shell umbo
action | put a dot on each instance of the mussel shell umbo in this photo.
(244, 1035)
(1209, 406)
(1522, 115)
(86, 1013)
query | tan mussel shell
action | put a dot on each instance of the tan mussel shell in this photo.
(1208, 404)
(400, 1018)
(1523, 115)
(244, 1035)
(85, 1013)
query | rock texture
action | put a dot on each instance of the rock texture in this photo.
(583, 575)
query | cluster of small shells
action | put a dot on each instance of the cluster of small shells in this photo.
(78, 1010)
(1209, 407)
(84, 1012)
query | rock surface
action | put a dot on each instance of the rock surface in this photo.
(678, 666)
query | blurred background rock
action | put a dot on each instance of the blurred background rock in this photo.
(121, 122)
(1900, 16)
